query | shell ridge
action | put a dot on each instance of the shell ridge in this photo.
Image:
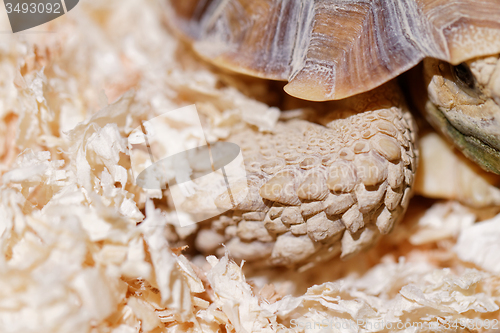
(302, 37)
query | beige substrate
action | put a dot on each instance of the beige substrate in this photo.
(86, 250)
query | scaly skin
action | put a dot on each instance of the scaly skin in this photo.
(322, 186)
(464, 105)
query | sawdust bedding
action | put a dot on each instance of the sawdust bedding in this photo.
(86, 250)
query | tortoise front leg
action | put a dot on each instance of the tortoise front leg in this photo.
(322, 186)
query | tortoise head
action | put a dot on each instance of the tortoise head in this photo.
(464, 104)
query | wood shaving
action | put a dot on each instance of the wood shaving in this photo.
(86, 250)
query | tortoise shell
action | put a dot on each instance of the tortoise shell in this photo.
(332, 49)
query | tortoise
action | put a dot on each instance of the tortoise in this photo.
(332, 182)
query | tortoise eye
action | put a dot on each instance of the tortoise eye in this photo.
(463, 74)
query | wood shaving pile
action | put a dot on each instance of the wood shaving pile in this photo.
(86, 250)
